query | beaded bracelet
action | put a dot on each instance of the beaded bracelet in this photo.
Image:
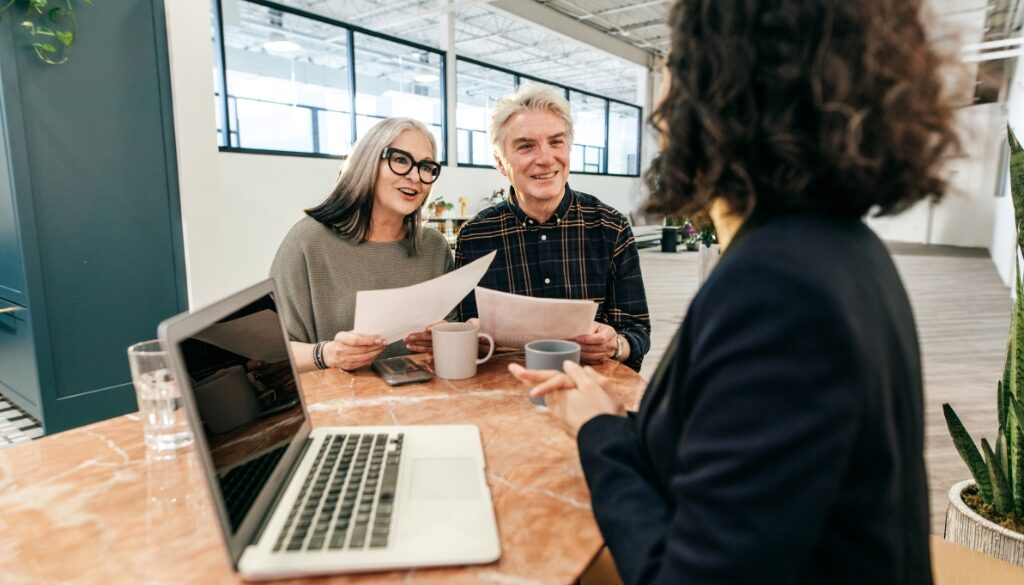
(318, 355)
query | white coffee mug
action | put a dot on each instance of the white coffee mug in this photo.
(455, 349)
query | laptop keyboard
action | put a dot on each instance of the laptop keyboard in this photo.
(347, 499)
(241, 485)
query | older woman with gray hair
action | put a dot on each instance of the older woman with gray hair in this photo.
(366, 235)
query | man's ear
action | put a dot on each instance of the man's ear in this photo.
(499, 162)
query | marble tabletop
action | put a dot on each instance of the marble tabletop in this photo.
(92, 506)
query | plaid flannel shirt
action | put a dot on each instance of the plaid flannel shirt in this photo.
(585, 250)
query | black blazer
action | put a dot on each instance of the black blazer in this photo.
(781, 439)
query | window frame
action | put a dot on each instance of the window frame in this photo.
(229, 128)
(520, 77)
(639, 136)
(350, 30)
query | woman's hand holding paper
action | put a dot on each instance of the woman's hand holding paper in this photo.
(351, 351)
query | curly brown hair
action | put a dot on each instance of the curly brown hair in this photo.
(834, 106)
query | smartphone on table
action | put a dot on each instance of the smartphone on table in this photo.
(400, 370)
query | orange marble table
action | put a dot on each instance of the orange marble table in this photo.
(90, 506)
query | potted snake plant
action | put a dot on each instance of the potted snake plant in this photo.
(986, 513)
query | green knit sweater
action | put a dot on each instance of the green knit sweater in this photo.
(318, 273)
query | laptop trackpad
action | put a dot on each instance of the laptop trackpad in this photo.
(445, 479)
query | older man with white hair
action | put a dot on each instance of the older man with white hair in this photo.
(552, 241)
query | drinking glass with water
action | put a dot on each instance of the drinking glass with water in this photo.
(164, 424)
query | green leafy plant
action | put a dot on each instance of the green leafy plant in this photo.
(999, 472)
(51, 25)
(707, 235)
(440, 205)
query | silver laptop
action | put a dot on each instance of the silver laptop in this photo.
(293, 500)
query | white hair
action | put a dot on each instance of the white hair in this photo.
(528, 96)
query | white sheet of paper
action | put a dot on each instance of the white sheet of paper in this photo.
(256, 336)
(515, 320)
(396, 312)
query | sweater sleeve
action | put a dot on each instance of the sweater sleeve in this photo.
(449, 265)
(290, 272)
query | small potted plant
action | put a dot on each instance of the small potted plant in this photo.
(987, 513)
(441, 206)
(691, 237)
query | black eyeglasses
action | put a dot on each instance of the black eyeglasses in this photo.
(401, 162)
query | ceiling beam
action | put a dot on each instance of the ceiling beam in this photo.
(638, 25)
(625, 8)
(566, 26)
(440, 11)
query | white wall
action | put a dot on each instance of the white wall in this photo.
(1003, 246)
(966, 216)
(237, 207)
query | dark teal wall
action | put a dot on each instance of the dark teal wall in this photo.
(95, 187)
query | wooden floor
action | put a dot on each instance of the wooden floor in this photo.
(962, 311)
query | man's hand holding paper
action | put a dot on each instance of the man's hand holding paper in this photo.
(598, 345)
(515, 320)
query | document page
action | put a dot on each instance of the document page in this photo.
(396, 312)
(515, 320)
(256, 336)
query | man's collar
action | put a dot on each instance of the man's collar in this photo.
(568, 199)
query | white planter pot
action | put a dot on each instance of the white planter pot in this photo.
(707, 259)
(966, 527)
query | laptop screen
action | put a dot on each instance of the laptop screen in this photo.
(247, 399)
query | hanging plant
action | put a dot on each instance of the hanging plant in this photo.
(51, 25)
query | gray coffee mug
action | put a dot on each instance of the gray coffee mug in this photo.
(549, 354)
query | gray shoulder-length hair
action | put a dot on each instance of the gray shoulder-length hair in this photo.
(347, 209)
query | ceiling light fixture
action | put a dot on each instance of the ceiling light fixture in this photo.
(278, 45)
(425, 77)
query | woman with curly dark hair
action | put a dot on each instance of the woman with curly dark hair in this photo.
(781, 438)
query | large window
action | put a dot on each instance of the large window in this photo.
(290, 81)
(590, 133)
(607, 132)
(288, 78)
(623, 139)
(478, 87)
(394, 79)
